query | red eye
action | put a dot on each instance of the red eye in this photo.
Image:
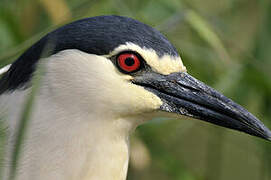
(128, 62)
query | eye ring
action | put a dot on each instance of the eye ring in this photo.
(129, 62)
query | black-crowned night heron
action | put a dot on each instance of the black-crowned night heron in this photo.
(103, 77)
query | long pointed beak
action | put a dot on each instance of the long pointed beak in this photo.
(185, 95)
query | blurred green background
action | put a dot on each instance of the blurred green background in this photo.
(224, 43)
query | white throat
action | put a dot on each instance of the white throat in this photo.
(83, 146)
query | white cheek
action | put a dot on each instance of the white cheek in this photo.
(118, 94)
(131, 99)
(94, 84)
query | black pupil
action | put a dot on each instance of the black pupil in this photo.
(129, 61)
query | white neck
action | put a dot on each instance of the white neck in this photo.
(83, 146)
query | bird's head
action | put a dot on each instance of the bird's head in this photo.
(123, 68)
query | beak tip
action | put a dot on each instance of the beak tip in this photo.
(265, 133)
(268, 136)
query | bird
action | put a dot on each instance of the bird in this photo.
(102, 77)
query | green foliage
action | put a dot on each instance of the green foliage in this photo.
(223, 43)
